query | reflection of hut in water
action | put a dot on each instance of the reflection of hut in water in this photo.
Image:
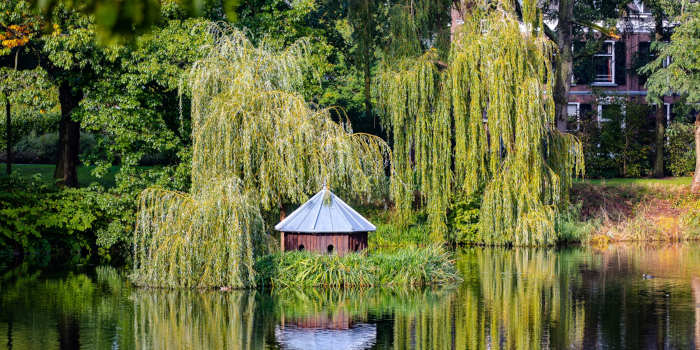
(339, 320)
(312, 333)
(325, 224)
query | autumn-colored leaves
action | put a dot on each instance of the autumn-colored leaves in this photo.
(15, 35)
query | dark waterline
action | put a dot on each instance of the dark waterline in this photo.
(620, 297)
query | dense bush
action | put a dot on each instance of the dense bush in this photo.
(407, 267)
(391, 235)
(681, 148)
(35, 148)
(25, 124)
(621, 144)
(36, 218)
(43, 148)
(463, 220)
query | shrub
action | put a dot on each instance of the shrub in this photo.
(36, 218)
(463, 220)
(43, 148)
(37, 148)
(681, 148)
(390, 235)
(572, 228)
(690, 219)
(406, 267)
(621, 145)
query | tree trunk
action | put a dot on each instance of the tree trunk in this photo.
(68, 332)
(563, 63)
(695, 187)
(660, 130)
(368, 93)
(68, 137)
(8, 125)
(660, 122)
(367, 58)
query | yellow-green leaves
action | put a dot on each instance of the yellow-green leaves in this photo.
(484, 121)
(256, 144)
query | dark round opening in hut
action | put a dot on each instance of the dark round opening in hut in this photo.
(301, 247)
(330, 248)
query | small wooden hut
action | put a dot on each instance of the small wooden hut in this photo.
(324, 224)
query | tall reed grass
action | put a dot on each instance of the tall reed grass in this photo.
(428, 266)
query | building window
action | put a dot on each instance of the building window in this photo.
(670, 113)
(574, 113)
(604, 65)
(667, 61)
(609, 110)
(642, 58)
(641, 9)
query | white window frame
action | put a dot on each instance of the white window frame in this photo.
(577, 113)
(612, 65)
(641, 7)
(600, 112)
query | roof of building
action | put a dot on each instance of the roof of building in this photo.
(325, 213)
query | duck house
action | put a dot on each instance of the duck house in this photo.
(324, 224)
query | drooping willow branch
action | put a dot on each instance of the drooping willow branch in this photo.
(256, 144)
(484, 122)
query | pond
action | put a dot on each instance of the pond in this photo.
(618, 297)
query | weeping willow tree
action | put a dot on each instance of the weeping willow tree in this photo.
(482, 121)
(256, 144)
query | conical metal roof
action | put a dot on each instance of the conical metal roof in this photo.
(325, 213)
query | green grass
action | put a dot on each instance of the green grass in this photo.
(640, 181)
(417, 267)
(85, 178)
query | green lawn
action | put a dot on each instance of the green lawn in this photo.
(85, 178)
(640, 181)
(46, 171)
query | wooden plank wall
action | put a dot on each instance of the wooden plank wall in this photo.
(341, 242)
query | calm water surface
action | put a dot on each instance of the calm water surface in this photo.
(573, 298)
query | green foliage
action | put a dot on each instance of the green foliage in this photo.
(620, 145)
(572, 228)
(43, 148)
(475, 125)
(337, 33)
(682, 75)
(38, 219)
(417, 26)
(690, 219)
(202, 241)
(637, 139)
(136, 104)
(122, 21)
(463, 219)
(71, 52)
(256, 145)
(391, 235)
(681, 148)
(414, 267)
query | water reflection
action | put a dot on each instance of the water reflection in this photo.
(576, 298)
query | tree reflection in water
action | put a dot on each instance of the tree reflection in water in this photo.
(510, 299)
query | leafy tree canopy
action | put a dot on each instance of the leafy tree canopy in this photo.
(682, 74)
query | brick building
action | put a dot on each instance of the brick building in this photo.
(600, 80)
